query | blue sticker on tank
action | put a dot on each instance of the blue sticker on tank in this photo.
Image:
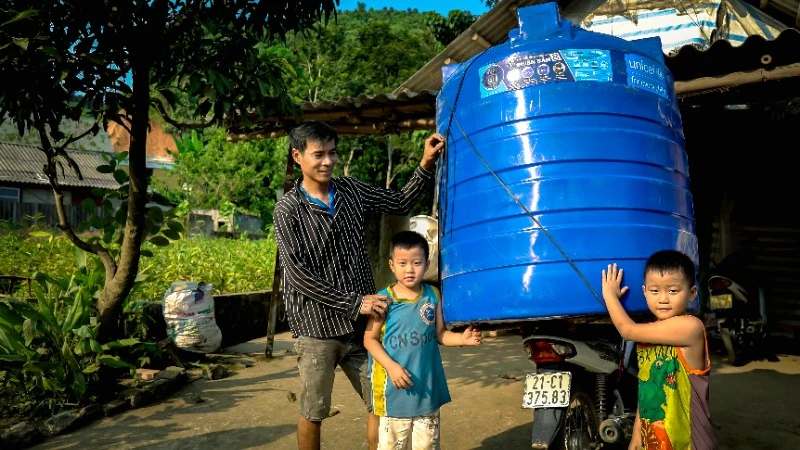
(644, 73)
(522, 70)
(589, 65)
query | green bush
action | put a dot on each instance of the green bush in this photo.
(231, 266)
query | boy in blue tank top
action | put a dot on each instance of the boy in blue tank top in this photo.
(405, 366)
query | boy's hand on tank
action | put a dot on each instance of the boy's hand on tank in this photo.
(433, 148)
(472, 336)
(612, 282)
(375, 305)
(400, 377)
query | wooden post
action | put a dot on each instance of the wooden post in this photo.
(272, 309)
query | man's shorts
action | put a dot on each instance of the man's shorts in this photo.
(317, 360)
(421, 432)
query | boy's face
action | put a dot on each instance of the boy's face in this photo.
(317, 161)
(409, 266)
(668, 294)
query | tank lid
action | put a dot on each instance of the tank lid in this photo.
(540, 23)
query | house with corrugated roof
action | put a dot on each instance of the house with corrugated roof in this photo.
(26, 194)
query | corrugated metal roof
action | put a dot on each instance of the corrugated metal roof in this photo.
(23, 164)
(365, 114)
(412, 106)
(492, 29)
(721, 58)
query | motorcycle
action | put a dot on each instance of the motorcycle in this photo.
(738, 307)
(584, 390)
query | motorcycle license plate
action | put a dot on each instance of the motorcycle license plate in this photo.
(547, 390)
(724, 301)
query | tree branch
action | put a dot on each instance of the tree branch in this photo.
(162, 109)
(52, 177)
(70, 140)
(118, 120)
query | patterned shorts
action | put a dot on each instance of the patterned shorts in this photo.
(416, 433)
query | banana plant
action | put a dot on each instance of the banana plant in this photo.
(49, 348)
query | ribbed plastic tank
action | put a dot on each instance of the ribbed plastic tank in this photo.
(583, 130)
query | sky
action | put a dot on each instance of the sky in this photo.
(476, 7)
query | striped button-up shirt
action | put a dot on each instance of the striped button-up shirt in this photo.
(326, 267)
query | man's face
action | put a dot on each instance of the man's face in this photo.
(317, 161)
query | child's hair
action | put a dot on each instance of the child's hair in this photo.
(311, 131)
(408, 240)
(667, 261)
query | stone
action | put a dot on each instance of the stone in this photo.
(115, 407)
(61, 422)
(172, 373)
(90, 414)
(137, 397)
(19, 436)
(161, 388)
(215, 371)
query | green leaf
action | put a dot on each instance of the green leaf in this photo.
(95, 346)
(121, 176)
(96, 222)
(22, 43)
(28, 311)
(78, 385)
(40, 234)
(88, 205)
(159, 240)
(20, 16)
(29, 331)
(122, 156)
(122, 343)
(69, 357)
(170, 234)
(114, 361)
(174, 225)
(156, 214)
(91, 368)
(105, 168)
(146, 253)
(83, 332)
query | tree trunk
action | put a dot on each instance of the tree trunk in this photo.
(117, 288)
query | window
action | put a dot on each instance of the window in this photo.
(7, 193)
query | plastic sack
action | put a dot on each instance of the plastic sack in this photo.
(189, 313)
(428, 227)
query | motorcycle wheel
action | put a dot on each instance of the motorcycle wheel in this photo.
(735, 352)
(579, 431)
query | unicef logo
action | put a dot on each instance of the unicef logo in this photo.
(492, 77)
(428, 313)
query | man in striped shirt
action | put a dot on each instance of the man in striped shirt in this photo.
(328, 285)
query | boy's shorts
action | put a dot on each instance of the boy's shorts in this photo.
(416, 433)
(317, 360)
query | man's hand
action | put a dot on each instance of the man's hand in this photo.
(471, 336)
(400, 377)
(433, 147)
(375, 305)
(612, 280)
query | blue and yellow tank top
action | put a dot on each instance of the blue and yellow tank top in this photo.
(409, 337)
(673, 400)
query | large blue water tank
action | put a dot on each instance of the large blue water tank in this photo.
(583, 130)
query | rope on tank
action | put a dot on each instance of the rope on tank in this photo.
(511, 193)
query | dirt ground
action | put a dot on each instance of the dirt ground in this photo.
(756, 406)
